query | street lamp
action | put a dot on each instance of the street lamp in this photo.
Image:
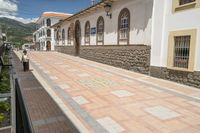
(107, 8)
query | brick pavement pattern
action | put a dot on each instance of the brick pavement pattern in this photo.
(115, 100)
(45, 115)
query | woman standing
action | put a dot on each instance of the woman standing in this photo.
(25, 60)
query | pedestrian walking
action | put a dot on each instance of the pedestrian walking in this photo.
(25, 61)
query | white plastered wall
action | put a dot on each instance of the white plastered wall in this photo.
(140, 24)
(164, 21)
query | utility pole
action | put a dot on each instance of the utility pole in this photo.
(92, 2)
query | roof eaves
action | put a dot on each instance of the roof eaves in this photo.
(82, 11)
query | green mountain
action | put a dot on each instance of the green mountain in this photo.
(17, 32)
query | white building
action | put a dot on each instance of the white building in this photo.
(156, 37)
(44, 36)
(28, 46)
(175, 50)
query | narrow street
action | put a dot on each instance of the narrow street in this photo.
(101, 98)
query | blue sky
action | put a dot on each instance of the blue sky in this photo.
(29, 10)
(33, 8)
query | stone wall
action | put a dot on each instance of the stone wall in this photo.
(187, 78)
(66, 49)
(133, 57)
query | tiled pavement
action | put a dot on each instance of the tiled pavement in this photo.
(108, 99)
(44, 113)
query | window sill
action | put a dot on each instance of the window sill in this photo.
(185, 6)
(180, 69)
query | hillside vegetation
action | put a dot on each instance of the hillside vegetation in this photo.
(17, 32)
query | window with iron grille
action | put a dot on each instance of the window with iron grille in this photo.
(48, 22)
(182, 2)
(57, 37)
(48, 33)
(124, 25)
(87, 32)
(100, 29)
(63, 36)
(181, 51)
(69, 35)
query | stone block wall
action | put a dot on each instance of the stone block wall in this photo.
(65, 49)
(187, 78)
(133, 57)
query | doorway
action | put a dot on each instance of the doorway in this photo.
(77, 37)
(48, 47)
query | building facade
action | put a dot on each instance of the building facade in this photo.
(175, 50)
(44, 36)
(121, 38)
(159, 38)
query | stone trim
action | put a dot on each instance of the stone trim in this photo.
(176, 7)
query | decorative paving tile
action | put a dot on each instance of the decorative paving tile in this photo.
(162, 113)
(109, 74)
(195, 103)
(154, 89)
(83, 75)
(58, 63)
(46, 72)
(128, 80)
(53, 77)
(122, 93)
(72, 70)
(80, 100)
(196, 95)
(64, 86)
(97, 83)
(41, 67)
(65, 66)
(110, 125)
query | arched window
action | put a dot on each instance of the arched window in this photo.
(63, 36)
(87, 32)
(57, 37)
(100, 30)
(43, 32)
(48, 33)
(48, 22)
(69, 35)
(124, 26)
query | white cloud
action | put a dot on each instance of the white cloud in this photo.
(23, 20)
(9, 8)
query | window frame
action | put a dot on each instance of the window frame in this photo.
(171, 46)
(63, 36)
(125, 10)
(49, 32)
(87, 33)
(57, 37)
(97, 30)
(48, 22)
(176, 7)
(69, 35)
